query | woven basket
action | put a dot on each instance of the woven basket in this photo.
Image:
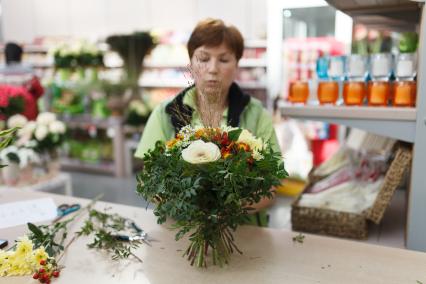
(351, 225)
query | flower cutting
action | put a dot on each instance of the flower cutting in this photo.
(206, 179)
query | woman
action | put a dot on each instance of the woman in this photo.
(215, 99)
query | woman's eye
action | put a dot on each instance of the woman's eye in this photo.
(203, 59)
(224, 60)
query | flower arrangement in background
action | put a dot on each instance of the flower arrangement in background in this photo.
(11, 100)
(46, 133)
(206, 180)
(80, 54)
(138, 113)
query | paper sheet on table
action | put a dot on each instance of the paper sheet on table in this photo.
(19, 213)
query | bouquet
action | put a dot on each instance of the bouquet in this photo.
(206, 179)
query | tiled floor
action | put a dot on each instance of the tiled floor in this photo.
(122, 190)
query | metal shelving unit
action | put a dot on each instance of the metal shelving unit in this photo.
(117, 167)
(407, 124)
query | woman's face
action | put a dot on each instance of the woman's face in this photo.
(214, 69)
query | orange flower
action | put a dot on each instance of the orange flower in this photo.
(199, 133)
(225, 153)
(171, 143)
(179, 136)
(243, 146)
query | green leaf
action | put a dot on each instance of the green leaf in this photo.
(35, 230)
(8, 131)
(233, 135)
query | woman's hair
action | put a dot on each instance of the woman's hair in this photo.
(13, 53)
(214, 32)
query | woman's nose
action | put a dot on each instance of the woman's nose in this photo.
(212, 66)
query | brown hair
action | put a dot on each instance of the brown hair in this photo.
(214, 32)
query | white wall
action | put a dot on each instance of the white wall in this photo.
(24, 20)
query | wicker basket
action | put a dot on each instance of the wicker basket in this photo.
(351, 225)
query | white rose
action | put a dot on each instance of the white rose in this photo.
(17, 120)
(248, 138)
(199, 152)
(46, 118)
(57, 127)
(41, 132)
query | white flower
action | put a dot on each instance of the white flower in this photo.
(6, 152)
(41, 132)
(257, 155)
(248, 138)
(199, 152)
(17, 120)
(57, 127)
(46, 118)
(27, 156)
(28, 129)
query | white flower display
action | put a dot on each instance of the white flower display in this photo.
(41, 132)
(199, 152)
(46, 118)
(57, 127)
(27, 129)
(17, 120)
(27, 156)
(4, 154)
(246, 137)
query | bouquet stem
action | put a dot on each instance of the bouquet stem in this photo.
(221, 243)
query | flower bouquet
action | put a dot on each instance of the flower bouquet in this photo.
(206, 179)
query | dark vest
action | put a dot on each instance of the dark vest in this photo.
(181, 114)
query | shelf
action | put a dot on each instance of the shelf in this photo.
(160, 84)
(255, 43)
(393, 122)
(244, 63)
(178, 85)
(78, 165)
(251, 85)
(252, 62)
(87, 120)
(31, 49)
(401, 15)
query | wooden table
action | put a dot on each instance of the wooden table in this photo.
(270, 256)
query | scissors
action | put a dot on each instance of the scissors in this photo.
(65, 209)
(140, 235)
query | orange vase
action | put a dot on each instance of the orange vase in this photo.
(404, 94)
(354, 93)
(328, 92)
(378, 93)
(298, 92)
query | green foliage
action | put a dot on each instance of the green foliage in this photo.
(409, 42)
(51, 237)
(15, 105)
(104, 228)
(132, 49)
(6, 138)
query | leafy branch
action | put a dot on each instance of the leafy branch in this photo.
(105, 228)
